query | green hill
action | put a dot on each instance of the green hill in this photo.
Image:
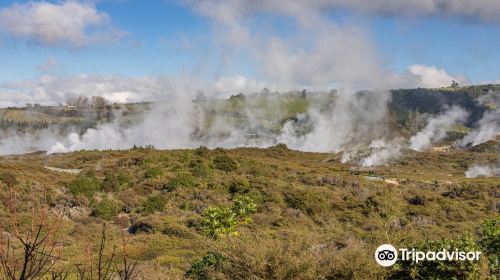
(303, 215)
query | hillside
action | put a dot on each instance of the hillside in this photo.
(314, 217)
(274, 109)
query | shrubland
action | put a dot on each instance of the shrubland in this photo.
(253, 213)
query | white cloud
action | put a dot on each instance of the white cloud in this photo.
(482, 9)
(52, 89)
(433, 77)
(67, 23)
(318, 53)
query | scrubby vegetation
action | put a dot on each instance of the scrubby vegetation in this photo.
(252, 213)
(220, 221)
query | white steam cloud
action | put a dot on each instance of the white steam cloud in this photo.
(437, 128)
(333, 123)
(488, 127)
(482, 171)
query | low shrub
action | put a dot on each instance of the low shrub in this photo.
(244, 206)
(465, 192)
(176, 230)
(106, 209)
(201, 151)
(114, 182)
(489, 242)
(153, 204)
(181, 179)
(141, 227)
(417, 200)
(205, 267)
(199, 168)
(154, 172)
(239, 185)
(8, 178)
(85, 184)
(312, 201)
(220, 221)
(225, 163)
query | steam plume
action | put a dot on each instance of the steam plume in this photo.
(482, 170)
(437, 128)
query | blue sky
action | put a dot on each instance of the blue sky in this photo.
(173, 37)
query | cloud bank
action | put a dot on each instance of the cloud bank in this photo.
(69, 23)
(487, 10)
(433, 77)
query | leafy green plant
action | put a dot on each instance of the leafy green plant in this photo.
(225, 163)
(85, 184)
(244, 206)
(106, 209)
(219, 221)
(153, 204)
(489, 242)
(202, 268)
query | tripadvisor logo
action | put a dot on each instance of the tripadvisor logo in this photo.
(387, 255)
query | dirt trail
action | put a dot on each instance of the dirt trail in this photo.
(70, 171)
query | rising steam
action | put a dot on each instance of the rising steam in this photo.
(482, 171)
(488, 127)
(437, 128)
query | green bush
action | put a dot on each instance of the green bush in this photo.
(141, 227)
(417, 200)
(202, 151)
(85, 184)
(440, 269)
(244, 206)
(115, 182)
(106, 209)
(312, 201)
(153, 204)
(239, 185)
(225, 163)
(203, 268)
(8, 178)
(489, 242)
(199, 168)
(182, 179)
(153, 173)
(176, 230)
(280, 148)
(221, 221)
